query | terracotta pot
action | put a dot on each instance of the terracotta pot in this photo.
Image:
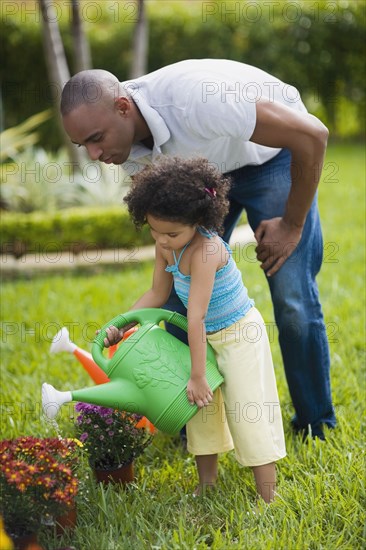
(66, 521)
(26, 541)
(123, 474)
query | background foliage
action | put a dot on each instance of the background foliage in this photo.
(317, 46)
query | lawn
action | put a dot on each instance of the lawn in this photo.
(321, 485)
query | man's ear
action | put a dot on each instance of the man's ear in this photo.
(122, 105)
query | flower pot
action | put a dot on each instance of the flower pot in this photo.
(66, 521)
(26, 541)
(123, 474)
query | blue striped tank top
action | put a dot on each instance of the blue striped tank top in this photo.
(229, 299)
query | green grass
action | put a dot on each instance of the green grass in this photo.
(321, 485)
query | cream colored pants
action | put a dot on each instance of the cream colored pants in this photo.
(245, 414)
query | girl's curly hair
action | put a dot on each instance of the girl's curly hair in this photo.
(188, 191)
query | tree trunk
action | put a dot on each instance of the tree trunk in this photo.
(140, 43)
(58, 71)
(82, 56)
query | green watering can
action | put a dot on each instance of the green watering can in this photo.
(148, 373)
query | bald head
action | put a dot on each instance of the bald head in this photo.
(88, 87)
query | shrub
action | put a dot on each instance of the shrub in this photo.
(74, 229)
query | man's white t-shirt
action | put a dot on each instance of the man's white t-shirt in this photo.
(206, 107)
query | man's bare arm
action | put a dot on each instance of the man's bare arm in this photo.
(306, 137)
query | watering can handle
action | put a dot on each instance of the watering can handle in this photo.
(142, 316)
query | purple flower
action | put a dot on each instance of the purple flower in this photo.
(112, 435)
(104, 411)
(84, 407)
(88, 409)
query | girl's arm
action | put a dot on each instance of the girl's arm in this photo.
(202, 282)
(162, 283)
(156, 296)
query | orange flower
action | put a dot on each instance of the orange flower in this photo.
(36, 477)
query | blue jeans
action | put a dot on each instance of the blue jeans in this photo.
(262, 191)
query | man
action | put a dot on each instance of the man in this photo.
(255, 129)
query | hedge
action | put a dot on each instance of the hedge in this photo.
(73, 229)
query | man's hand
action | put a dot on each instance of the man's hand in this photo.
(199, 392)
(276, 242)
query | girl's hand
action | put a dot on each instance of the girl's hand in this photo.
(115, 335)
(199, 392)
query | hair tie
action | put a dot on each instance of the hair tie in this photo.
(211, 191)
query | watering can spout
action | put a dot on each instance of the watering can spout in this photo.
(52, 400)
(117, 394)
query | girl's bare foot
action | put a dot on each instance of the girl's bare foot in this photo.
(204, 490)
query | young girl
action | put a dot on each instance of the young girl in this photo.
(184, 202)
